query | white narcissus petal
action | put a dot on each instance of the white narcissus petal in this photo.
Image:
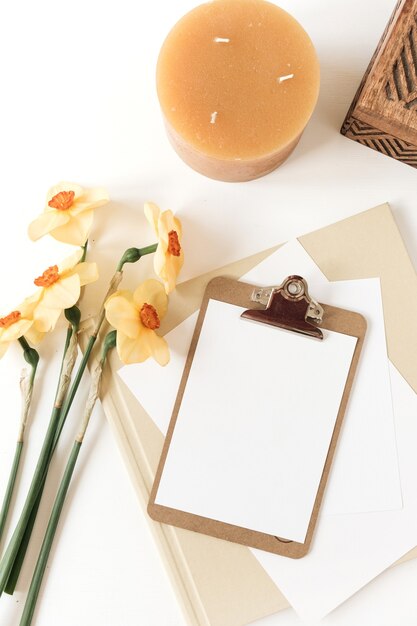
(3, 347)
(159, 261)
(169, 283)
(166, 223)
(45, 319)
(88, 272)
(33, 299)
(152, 212)
(122, 314)
(128, 295)
(167, 267)
(70, 261)
(163, 239)
(177, 227)
(77, 230)
(132, 350)
(89, 199)
(174, 264)
(152, 292)
(157, 346)
(33, 335)
(147, 344)
(16, 330)
(64, 186)
(46, 222)
(28, 305)
(63, 294)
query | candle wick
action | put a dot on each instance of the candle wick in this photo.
(213, 117)
(221, 40)
(287, 77)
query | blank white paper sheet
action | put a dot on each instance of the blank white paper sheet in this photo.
(255, 424)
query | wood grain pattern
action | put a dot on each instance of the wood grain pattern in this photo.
(382, 142)
(383, 114)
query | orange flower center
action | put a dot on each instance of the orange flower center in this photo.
(10, 319)
(174, 246)
(149, 316)
(62, 200)
(48, 278)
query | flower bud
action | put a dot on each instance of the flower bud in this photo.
(109, 343)
(31, 356)
(73, 315)
(130, 256)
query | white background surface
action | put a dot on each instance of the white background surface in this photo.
(78, 103)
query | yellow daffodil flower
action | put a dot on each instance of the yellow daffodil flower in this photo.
(169, 256)
(136, 316)
(60, 287)
(13, 326)
(19, 323)
(68, 213)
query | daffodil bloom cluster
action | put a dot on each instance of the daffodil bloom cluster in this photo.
(14, 325)
(136, 317)
(169, 256)
(68, 213)
(68, 217)
(59, 289)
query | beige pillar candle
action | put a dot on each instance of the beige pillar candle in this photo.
(237, 82)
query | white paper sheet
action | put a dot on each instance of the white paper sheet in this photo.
(255, 424)
(369, 483)
(364, 474)
(350, 550)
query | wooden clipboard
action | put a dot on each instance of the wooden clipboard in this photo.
(292, 316)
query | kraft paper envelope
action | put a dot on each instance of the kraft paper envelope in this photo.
(220, 583)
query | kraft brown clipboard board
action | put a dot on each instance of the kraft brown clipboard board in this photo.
(334, 319)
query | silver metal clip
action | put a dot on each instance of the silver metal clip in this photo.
(294, 287)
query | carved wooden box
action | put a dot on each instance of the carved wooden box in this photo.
(383, 114)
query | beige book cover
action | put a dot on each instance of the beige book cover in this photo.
(220, 583)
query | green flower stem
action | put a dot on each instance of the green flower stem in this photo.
(28, 516)
(32, 596)
(134, 254)
(8, 560)
(84, 249)
(45, 550)
(14, 574)
(26, 385)
(23, 538)
(73, 316)
(10, 487)
(67, 342)
(22, 533)
(20, 557)
(71, 394)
